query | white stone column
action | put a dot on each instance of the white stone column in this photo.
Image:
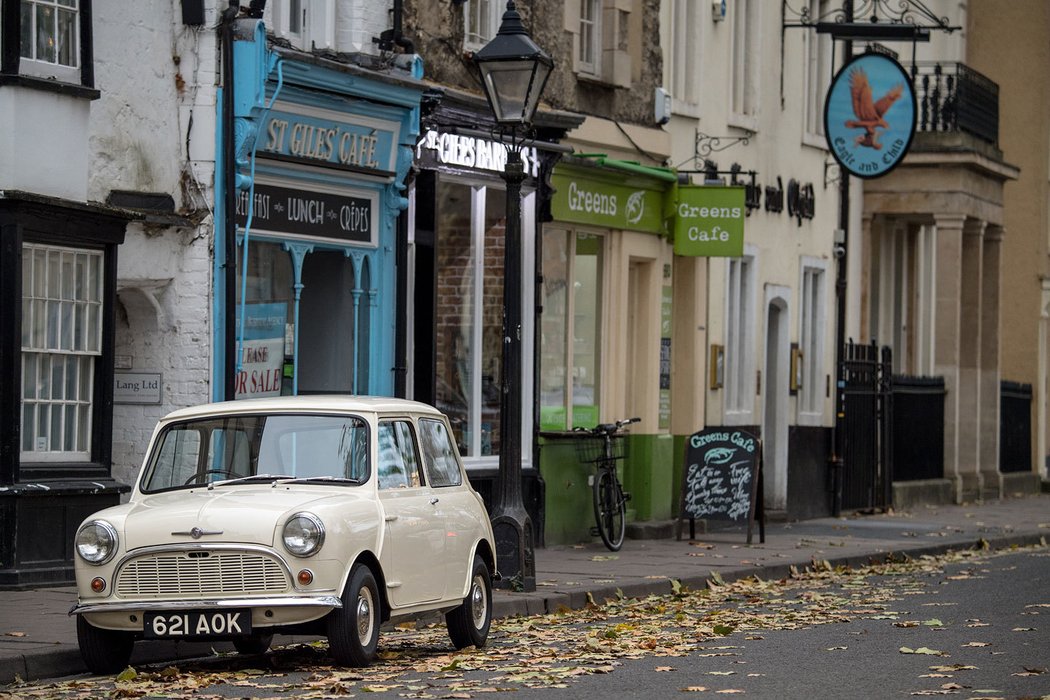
(989, 374)
(970, 346)
(948, 248)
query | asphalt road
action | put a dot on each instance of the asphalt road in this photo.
(971, 627)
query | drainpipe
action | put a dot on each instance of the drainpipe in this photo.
(229, 193)
(838, 431)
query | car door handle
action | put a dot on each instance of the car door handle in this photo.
(390, 518)
(433, 501)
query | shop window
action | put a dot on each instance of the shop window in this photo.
(818, 75)
(329, 329)
(53, 39)
(744, 63)
(305, 24)
(468, 312)
(481, 22)
(570, 362)
(61, 343)
(811, 343)
(685, 68)
(740, 379)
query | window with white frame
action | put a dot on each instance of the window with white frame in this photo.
(61, 341)
(740, 340)
(811, 341)
(50, 39)
(685, 66)
(818, 49)
(481, 22)
(745, 62)
(589, 55)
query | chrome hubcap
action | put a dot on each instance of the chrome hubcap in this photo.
(364, 615)
(478, 602)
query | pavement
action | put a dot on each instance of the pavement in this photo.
(38, 638)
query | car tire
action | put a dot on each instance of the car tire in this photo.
(353, 630)
(104, 651)
(469, 623)
(253, 643)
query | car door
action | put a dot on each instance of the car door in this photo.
(413, 552)
(458, 504)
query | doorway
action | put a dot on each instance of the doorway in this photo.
(775, 399)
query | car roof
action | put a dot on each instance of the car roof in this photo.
(312, 403)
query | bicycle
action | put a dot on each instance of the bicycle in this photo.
(604, 445)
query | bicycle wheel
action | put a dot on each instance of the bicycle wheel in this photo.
(610, 509)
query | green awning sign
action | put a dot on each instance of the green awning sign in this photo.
(709, 222)
(607, 202)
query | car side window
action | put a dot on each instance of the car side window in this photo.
(439, 455)
(398, 466)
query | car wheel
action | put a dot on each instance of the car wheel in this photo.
(103, 651)
(353, 630)
(253, 644)
(469, 623)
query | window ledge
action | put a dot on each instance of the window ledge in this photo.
(596, 80)
(46, 85)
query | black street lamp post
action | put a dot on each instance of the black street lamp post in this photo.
(514, 71)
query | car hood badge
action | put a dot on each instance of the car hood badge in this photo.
(196, 533)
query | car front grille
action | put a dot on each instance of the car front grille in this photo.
(200, 572)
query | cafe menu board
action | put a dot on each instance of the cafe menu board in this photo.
(722, 478)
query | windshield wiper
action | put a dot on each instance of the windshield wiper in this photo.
(336, 479)
(251, 477)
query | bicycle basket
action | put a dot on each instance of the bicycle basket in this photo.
(591, 448)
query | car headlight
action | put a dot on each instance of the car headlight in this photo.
(303, 534)
(96, 542)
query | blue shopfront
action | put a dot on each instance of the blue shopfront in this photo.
(322, 150)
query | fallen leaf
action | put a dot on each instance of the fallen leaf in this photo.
(836, 648)
(663, 669)
(933, 623)
(14, 634)
(730, 691)
(1024, 629)
(695, 689)
(977, 644)
(921, 650)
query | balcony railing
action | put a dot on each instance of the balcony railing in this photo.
(955, 98)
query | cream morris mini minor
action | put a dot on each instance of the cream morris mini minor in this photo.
(317, 514)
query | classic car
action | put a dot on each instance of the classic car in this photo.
(312, 515)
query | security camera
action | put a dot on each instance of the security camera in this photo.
(839, 250)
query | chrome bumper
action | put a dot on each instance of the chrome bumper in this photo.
(327, 601)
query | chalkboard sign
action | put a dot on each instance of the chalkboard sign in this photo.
(722, 479)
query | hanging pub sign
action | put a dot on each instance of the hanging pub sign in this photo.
(870, 115)
(709, 221)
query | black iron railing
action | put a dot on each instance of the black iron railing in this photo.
(954, 97)
(918, 428)
(1015, 427)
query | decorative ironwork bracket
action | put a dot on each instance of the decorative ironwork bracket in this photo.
(705, 144)
(872, 20)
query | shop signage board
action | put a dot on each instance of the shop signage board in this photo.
(285, 210)
(722, 480)
(137, 387)
(329, 138)
(442, 148)
(261, 367)
(709, 221)
(606, 203)
(870, 115)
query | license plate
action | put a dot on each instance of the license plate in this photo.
(197, 623)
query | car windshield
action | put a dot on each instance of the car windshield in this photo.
(247, 449)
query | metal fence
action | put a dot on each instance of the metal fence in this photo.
(953, 97)
(918, 428)
(1015, 427)
(868, 446)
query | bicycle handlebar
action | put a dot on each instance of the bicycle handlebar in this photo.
(608, 428)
